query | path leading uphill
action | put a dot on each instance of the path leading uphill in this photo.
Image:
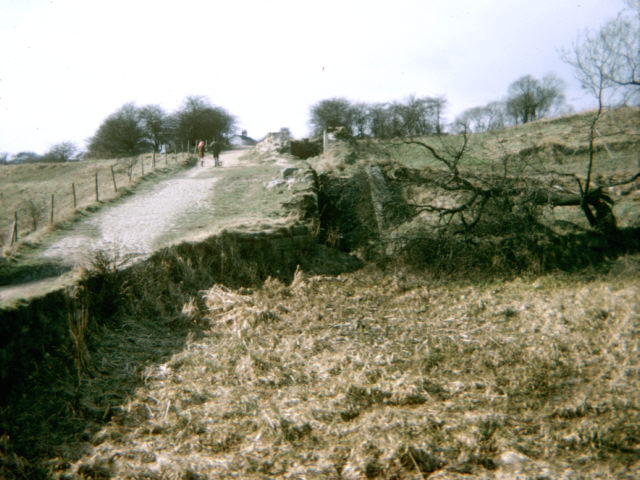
(146, 221)
(201, 201)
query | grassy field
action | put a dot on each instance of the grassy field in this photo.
(27, 188)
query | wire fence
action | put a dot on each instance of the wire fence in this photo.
(80, 190)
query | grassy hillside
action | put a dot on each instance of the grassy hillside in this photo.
(27, 188)
(533, 160)
(561, 141)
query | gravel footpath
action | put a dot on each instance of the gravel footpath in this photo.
(138, 226)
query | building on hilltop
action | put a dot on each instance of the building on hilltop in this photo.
(242, 140)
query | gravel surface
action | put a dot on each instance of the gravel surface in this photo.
(144, 222)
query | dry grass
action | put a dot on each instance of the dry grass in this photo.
(27, 188)
(561, 142)
(385, 374)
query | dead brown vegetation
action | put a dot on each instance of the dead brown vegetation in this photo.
(377, 374)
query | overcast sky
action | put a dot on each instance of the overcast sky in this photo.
(65, 65)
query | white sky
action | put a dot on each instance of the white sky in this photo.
(65, 65)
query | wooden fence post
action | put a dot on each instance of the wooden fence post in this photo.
(75, 200)
(13, 236)
(153, 160)
(97, 194)
(141, 157)
(166, 158)
(51, 214)
(113, 177)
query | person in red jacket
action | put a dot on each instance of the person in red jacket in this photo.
(201, 152)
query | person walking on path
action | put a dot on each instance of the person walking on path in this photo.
(201, 152)
(216, 148)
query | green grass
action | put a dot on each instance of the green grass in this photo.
(243, 193)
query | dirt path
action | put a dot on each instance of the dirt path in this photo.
(164, 213)
(148, 220)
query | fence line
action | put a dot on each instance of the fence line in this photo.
(75, 199)
(51, 216)
(113, 177)
(13, 234)
(82, 191)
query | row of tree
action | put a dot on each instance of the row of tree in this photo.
(132, 130)
(606, 62)
(412, 117)
(61, 152)
(528, 99)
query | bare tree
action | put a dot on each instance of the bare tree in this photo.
(604, 62)
(437, 105)
(61, 152)
(331, 114)
(463, 198)
(120, 134)
(199, 119)
(411, 117)
(360, 119)
(34, 208)
(608, 61)
(380, 119)
(492, 116)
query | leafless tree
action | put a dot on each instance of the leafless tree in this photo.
(463, 198)
(605, 62)
(608, 61)
(154, 125)
(482, 119)
(61, 152)
(34, 208)
(437, 105)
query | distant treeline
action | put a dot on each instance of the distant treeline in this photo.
(528, 99)
(61, 152)
(132, 130)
